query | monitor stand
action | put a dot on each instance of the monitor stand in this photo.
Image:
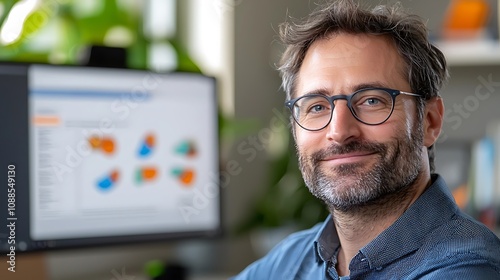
(27, 266)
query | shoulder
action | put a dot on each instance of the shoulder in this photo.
(457, 239)
(284, 257)
(298, 241)
(466, 234)
(292, 248)
(462, 247)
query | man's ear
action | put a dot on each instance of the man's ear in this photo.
(433, 120)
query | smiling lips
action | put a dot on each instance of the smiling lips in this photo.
(348, 158)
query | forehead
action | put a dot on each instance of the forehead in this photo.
(342, 62)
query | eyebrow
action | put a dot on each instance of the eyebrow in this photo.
(325, 92)
(369, 85)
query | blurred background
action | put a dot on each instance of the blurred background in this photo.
(236, 42)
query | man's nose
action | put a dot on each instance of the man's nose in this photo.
(343, 126)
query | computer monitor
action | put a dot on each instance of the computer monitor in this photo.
(95, 156)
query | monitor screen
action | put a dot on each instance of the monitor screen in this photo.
(100, 156)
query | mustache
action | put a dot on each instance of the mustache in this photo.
(353, 146)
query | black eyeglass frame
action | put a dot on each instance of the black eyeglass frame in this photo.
(392, 92)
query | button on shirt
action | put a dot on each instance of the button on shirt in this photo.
(433, 239)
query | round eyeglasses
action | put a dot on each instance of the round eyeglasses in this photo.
(371, 106)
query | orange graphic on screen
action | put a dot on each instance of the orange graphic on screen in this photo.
(107, 182)
(146, 174)
(187, 148)
(185, 175)
(46, 120)
(105, 144)
(147, 146)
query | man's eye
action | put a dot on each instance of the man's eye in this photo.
(372, 101)
(317, 108)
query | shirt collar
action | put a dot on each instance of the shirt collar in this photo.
(430, 210)
(326, 241)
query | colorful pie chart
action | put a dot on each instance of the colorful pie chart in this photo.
(109, 181)
(147, 145)
(146, 174)
(104, 144)
(186, 148)
(185, 176)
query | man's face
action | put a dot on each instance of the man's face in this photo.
(349, 163)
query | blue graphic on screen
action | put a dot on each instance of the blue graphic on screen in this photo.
(147, 146)
(107, 183)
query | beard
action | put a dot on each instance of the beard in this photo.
(346, 187)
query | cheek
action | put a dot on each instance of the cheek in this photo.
(306, 140)
(404, 117)
(401, 123)
(300, 140)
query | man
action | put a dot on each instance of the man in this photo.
(363, 90)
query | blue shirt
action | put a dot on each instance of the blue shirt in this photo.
(433, 239)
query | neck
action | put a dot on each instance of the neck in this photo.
(358, 227)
